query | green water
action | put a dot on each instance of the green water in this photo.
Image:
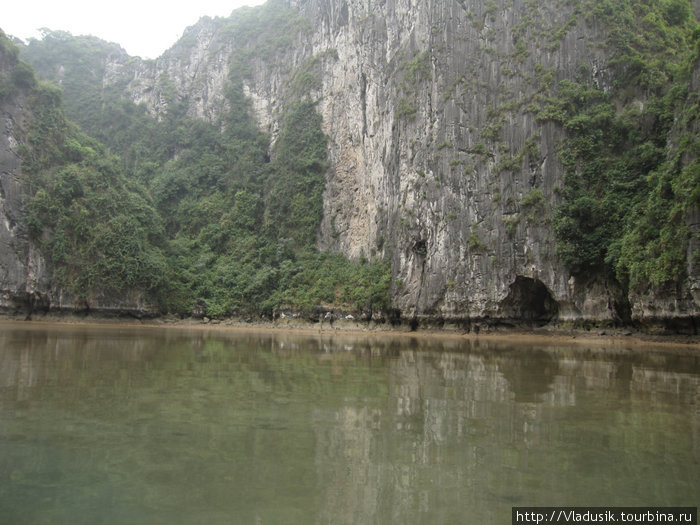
(118, 425)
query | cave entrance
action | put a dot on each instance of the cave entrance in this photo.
(529, 301)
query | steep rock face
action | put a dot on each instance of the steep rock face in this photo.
(25, 275)
(423, 103)
(438, 161)
(23, 272)
(196, 68)
(425, 106)
(679, 307)
(427, 178)
(26, 284)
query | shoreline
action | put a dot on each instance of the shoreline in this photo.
(609, 338)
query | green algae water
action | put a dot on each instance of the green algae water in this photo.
(129, 425)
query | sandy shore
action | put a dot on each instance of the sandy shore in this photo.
(612, 339)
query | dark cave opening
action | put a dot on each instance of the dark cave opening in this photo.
(529, 301)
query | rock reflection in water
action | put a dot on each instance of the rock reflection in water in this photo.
(182, 426)
(493, 428)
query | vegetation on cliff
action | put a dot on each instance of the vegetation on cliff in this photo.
(228, 216)
(187, 211)
(96, 226)
(627, 190)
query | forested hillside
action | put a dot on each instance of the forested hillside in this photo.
(198, 216)
(453, 161)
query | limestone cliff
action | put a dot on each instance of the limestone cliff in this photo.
(438, 159)
(22, 268)
(34, 131)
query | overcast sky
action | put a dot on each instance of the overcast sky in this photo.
(144, 28)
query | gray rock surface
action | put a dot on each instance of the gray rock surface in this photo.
(437, 159)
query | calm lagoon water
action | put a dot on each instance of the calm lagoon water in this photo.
(129, 425)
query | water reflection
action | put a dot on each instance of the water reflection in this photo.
(115, 425)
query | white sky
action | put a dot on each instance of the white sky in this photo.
(144, 28)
